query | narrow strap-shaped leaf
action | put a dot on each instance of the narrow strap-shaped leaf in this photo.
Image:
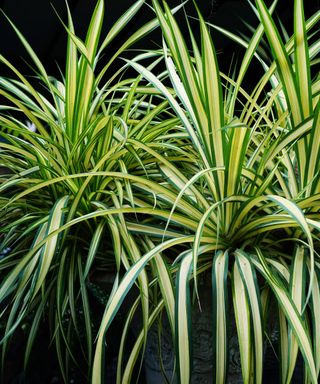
(183, 320)
(94, 245)
(24, 269)
(166, 286)
(282, 60)
(197, 56)
(290, 82)
(30, 269)
(214, 136)
(297, 290)
(121, 23)
(48, 250)
(86, 313)
(220, 315)
(71, 79)
(135, 351)
(151, 230)
(251, 49)
(207, 216)
(180, 182)
(136, 36)
(100, 140)
(182, 60)
(302, 60)
(288, 139)
(312, 181)
(183, 190)
(30, 51)
(27, 112)
(243, 323)
(28, 85)
(134, 255)
(77, 43)
(291, 313)
(284, 345)
(117, 298)
(238, 143)
(296, 214)
(175, 105)
(181, 92)
(252, 290)
(85, 78)
(315, 316)
(93, 33)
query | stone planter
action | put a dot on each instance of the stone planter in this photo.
(202, 370)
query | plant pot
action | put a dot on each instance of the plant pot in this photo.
(202, 348)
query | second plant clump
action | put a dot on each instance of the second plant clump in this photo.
(158, 179)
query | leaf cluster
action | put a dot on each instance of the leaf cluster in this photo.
(155, 180)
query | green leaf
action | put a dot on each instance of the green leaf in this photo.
(252, 290)
(302, 60)
(297, 288)
(183, 320)
(117, 298)
(48, 250)
(220, 314)
(243, 323)
(292, 315)
(283, 63)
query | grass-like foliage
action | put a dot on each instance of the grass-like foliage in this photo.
(158, 179)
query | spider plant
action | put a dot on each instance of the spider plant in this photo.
(241, 201)
(57, 178)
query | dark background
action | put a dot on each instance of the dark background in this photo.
(39, 23)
